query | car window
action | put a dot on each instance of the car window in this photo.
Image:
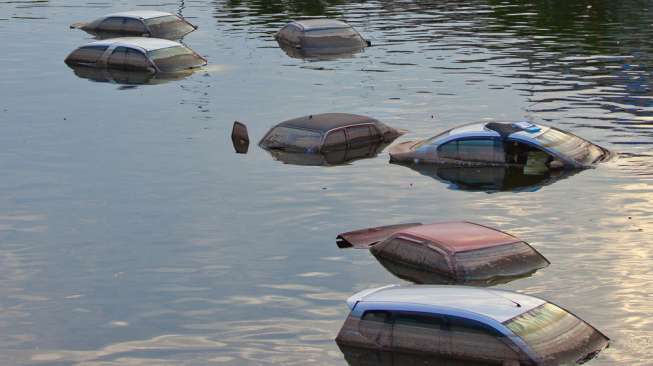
(135, 60)
(167, 25)
(335, 140)
(376, 327)
(360, 136)
(111, 24)
(419, 332)
(503, 260)
(117, 57)
(87, 54)
(292, 138)
(566, 144)
(555, 335)
(290, 33)
(473, 149)
(133, 26)
(175, 58)
(472, 339)
(407, 251)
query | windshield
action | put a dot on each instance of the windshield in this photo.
(292, 138)
(429, 141)
(556, 336)
(168, 25)
(175, 58)
(566, 144)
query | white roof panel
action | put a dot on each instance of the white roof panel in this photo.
(147, 43)
(321, 23)
(140, 14)
(499, 305)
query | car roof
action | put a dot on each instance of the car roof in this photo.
(460, 236)
(320, 23)
(139, 14)
(327, 121)
(146, 43)
(499, 305)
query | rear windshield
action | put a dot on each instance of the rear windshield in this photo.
(167, 25)
(175, 58)
(292, 138)
(500, 261)
(333, 37)
(584, 152)
(556, 336)
(86, 55)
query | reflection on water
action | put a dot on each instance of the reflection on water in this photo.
(319, 54)
(146, 228)
(491, 179)
(334, 157)
(124, 77)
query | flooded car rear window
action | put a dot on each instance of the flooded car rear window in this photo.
(555, 335)
(287, 137)
(584, 152)
(504, 260)
(175, 58)
(168, 25)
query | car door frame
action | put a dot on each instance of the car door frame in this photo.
(103, 60)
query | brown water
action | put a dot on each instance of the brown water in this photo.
(131, 234)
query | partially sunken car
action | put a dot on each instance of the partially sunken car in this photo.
(448, 252)
(319, 37)
(137, 54)
(141, 23)
(487, 326)
(532, 147)
(336, 137)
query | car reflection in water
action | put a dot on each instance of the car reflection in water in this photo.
(358, 356)
(320, 54)
(492, 178)
(341, 156)
(126, 77)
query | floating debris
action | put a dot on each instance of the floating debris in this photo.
(240, 138)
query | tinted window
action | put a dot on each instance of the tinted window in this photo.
(170, 26)
(335, 139)
(135, 60)
(480, 150)
(419, 255)
(112, 24)
(376, 327)
(117, 57)
(292, 138)
(361, 136)
(474, 340)
(423, 333)
(175, 58)
(555, 335)
(133, 26)
(504, 260)
(87, 54)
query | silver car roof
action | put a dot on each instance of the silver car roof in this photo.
(499, 305)
(146, 43)
(139, 14)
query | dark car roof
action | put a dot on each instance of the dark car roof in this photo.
(327, 121)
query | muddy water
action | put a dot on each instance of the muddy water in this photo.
(131, 234)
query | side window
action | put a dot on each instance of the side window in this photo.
(117, 58)
(133, 26)
(481, 149)
(419, 332)
(376, 327)
(135, 60)
(111, 25)
(87, 55)
(360, 136)
(335, 140)
(474, 340)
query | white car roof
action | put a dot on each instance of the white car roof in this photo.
(146, 43)
(499, 305)
(139, 14)
(321, 23)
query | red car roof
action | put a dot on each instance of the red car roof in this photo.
(460, 236)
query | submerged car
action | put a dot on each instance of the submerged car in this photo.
(336, 137)
(534, 148)
(141, 23)
(467, 324)
(448, 252)
(134, 54)
(491, 178)
(319, 37)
